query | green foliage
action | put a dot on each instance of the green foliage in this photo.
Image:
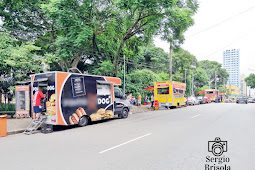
(7, 107)
(250, 80)
(139, 79)
(163, 76)
(104, 68)
(222, 89)
(210, 67)
(94, 35)
(154, 58)
(95, 30)
(200, 77)
(24, 58)
(182, 60)
(201, 89)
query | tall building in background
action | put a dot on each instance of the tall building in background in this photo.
(231, 62)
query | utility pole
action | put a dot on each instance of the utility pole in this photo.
(170, 62)
(193, 66)
(124, 74)
(192, 82)
(215, 80)
(185, 76)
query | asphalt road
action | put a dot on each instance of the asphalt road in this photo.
(165, 139)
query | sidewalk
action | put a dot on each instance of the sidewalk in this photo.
(19, 125)
(140, 109)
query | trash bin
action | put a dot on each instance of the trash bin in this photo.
(3, 125)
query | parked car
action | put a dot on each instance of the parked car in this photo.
(250, 100)
(207, 100)
(242, 100)
(192, 100)
(201, 100)
(185, 101)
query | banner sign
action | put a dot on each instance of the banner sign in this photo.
(22, 98)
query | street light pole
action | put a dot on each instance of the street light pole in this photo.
(192, 82)
(185, 76)
(193, 66)
(124, 75)
(215, 80)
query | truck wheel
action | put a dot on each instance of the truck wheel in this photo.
(124, 114)
(83, 121)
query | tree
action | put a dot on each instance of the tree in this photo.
(153, 58)
(173, 28)
(200, 77)
(182, 60)
(139, 79)
(17, 59)
(25, 19)
(222, 89)
(76, 31)
(104, 68)
(210, 68)
(201, 89)
(250, 80)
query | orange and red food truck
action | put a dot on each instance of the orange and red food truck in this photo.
(212, 94)
(74, 98)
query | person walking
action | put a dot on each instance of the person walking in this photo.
(37, 104)
(139, 99)
(129, 97)
(152, 100)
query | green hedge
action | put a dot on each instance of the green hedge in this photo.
(7, 107)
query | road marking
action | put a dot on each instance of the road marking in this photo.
(195, 116)
(125, 143)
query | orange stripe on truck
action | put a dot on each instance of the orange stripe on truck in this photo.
(115, 80)
(61, 77)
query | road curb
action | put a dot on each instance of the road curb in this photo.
(15, 132)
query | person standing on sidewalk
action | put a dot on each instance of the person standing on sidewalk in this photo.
(37, 104)
(139, 99)
(152, 100)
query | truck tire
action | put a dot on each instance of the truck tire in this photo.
(83, 121)
(124, 114)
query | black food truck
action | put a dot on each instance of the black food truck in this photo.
(74, 98)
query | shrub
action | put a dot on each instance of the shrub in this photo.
(7, 107)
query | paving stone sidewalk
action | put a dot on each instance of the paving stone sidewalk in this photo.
(17, 125)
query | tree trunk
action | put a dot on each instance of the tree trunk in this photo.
(5, 97)
(116, 58)
(76, 61)
(95, 48)
(170, 62)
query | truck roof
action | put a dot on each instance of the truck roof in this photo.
(116, 80)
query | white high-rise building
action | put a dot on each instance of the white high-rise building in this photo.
(231, 62)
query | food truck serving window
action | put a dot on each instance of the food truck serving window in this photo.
(181, 91)
(103, 89)
(210, 92)
(176, 90)
(163, 90)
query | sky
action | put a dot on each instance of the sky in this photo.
(237, 32)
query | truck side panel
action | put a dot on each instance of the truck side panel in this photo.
(82, 95)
